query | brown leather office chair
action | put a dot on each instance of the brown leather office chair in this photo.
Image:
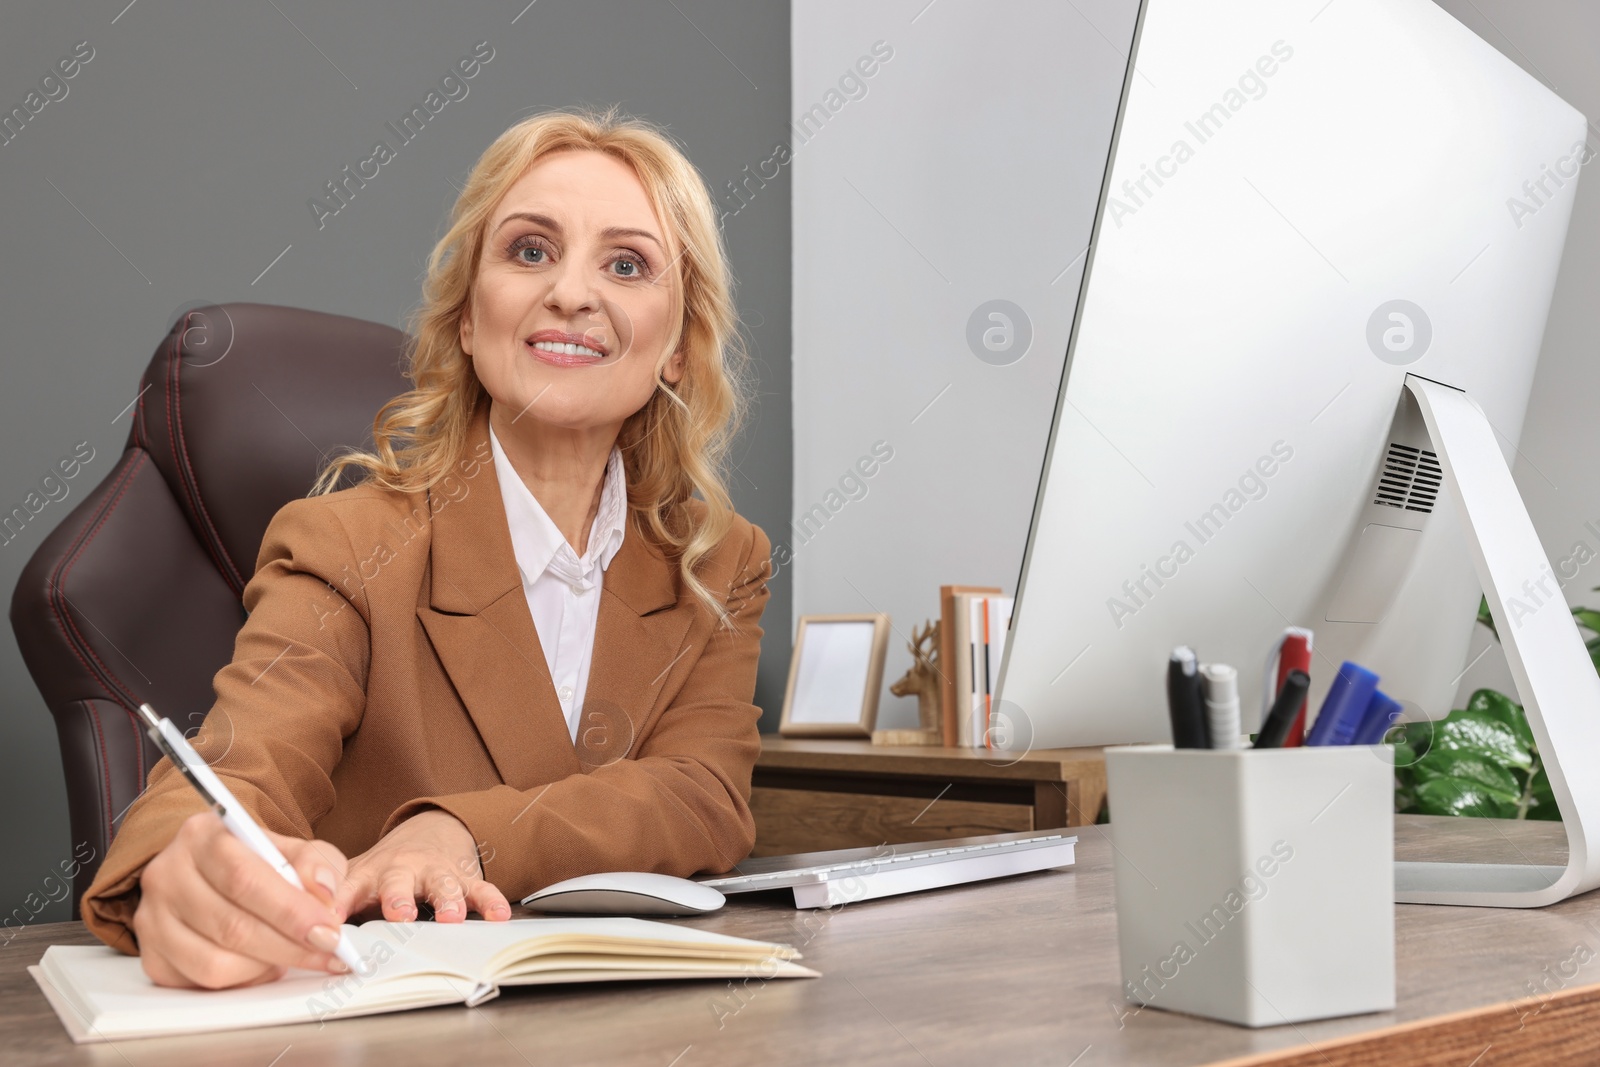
(135, 596)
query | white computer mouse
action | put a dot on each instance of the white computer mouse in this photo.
(626, 893)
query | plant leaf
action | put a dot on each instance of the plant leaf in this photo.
(1456, 796)
(1485, 735)
(1501, 707)
(1469, 766)
(1419, 735)
(1544, 800)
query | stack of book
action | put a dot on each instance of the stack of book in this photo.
(973, 621)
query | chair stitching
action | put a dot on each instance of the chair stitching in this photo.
(138, 744)
(219, 551)
(105, 762)
(64, 623)
(141, 431)
(70, 631)
(55, 580)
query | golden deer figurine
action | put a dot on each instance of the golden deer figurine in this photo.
(924, 680)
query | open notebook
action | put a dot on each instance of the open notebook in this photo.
(102, 995)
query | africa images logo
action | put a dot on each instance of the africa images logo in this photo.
(1137, 592)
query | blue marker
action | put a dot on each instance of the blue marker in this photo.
(1344, 706)
(1382, 711)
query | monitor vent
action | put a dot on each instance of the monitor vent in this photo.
(1409, 479)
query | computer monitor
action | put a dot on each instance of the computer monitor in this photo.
(1321, 228)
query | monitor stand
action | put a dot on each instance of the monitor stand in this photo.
(1554, 675)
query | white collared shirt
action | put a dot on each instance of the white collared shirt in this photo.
(563, 591)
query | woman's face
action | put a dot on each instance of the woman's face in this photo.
(573, 299)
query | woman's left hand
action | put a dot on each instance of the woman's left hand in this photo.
(432, 857)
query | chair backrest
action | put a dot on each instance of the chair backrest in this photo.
(135, 595)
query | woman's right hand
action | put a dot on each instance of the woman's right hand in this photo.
(213, 914)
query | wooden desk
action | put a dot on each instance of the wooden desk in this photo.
(811, 795)
(1021, 971)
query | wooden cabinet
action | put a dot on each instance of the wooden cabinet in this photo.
(809, 795)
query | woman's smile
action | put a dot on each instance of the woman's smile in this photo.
(562, 349)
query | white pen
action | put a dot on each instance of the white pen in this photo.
(1222, 705)
(176, 747)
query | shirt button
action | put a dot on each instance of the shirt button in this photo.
(565, 692)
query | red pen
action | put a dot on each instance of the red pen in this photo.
(1294, 654)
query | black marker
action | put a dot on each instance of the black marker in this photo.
(1183, 700)
(1275, 729)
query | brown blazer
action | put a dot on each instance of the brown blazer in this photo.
(389, 664)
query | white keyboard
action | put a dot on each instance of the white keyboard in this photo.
(888, 870)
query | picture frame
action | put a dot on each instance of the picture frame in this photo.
(835, 674)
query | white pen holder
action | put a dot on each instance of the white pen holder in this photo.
(1255, 886)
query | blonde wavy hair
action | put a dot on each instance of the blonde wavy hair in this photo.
(678, 442)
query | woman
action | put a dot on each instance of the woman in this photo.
(520, 650)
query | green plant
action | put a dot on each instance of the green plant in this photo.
(1480, 760)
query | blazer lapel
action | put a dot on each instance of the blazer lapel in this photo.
(639, 639)
(478, 621)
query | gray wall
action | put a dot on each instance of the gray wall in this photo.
(960, 177)
(180, 163)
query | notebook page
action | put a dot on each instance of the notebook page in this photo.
(110, 996)
(486, 949)
(600, 969)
